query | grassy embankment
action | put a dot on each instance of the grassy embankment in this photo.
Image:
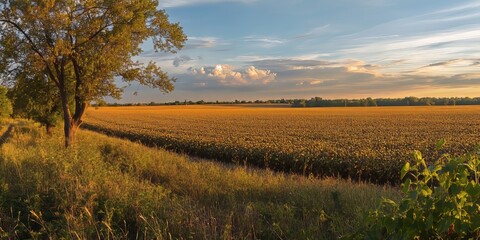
(110, 188)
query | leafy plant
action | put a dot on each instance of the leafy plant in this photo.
(441, 201)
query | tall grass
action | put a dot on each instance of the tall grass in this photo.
(106, 188)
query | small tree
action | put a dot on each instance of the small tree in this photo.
(299, 103)
(81, 46)
(100, 103)
(5, 104)
(372, 102)
(37, 99)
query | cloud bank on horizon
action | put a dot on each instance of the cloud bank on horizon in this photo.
(265, 49)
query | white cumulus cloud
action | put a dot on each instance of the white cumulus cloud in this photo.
(265, 76)
(227, 75)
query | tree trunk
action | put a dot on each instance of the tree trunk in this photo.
(49, 128)
(68, 122)
(71, 124)
(70, 130)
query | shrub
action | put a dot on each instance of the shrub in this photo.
(5, 104)
(441, 201)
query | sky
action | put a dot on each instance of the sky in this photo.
(272, 49)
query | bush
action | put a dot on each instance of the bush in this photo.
(441, 201)
(5, 104)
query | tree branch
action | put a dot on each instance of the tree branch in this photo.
(92, 36)
(32, 44)
(80, 104)
(33, 47)
(99, 30)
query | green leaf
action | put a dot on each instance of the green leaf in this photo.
(405, 170)
(413, 195)
(417, 156)
(454, 190)
(389, 202)
(426, 191)
(429, 222)
(473, 190)
(406, 186)
(440, 144)
(436, 168)
(390, 224)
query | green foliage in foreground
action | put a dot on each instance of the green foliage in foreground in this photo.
(106, 188)
(441, 201)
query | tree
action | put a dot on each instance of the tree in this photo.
(37, 99)
(101, 103)
(299, 103)
(81, 46)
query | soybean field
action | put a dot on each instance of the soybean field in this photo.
(370, 143)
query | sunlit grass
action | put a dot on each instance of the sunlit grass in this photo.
(110, 188)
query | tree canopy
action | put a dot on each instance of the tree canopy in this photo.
(82, 46)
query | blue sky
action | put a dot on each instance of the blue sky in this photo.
(270, 49)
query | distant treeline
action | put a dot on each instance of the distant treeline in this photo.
(365, 102)
(320, 102)
(201, 102)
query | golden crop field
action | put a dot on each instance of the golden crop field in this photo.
(361, 143)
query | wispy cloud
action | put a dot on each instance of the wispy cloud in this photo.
(201, 42)
(442, 64)
(430, 38)
(183, 3)
(381, 37)
(450, 67)
(266, 42)
(292, 64)
(181, 60)
(259, 58)
(460, 8)
(314, 32)
(413, 43)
